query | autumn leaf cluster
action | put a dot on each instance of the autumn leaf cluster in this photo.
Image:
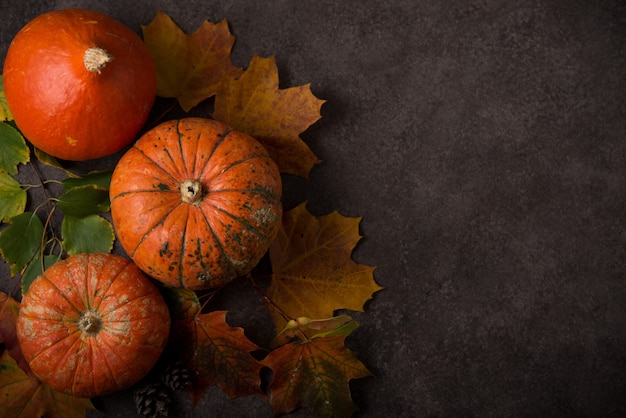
(312, 273)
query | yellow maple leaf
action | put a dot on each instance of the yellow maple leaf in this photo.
(313, 273)
(25, 397)
(189, 67)
(254, 104)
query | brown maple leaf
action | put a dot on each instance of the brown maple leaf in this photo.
(189, 67)
(314, 374)
(25, 397)
(254, 104)
(217, 354)
(313, 273)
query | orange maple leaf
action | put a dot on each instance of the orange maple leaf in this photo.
(189, 67)
(313, 273)
(254, 104)
(217, 354)
(314, 374)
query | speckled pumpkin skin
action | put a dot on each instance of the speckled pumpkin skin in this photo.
(134, 328)
(219, 234)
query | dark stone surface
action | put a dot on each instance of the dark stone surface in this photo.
(483, 144)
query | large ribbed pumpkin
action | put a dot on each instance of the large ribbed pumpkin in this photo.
(80, 84)
(196, 204)
(92, 324)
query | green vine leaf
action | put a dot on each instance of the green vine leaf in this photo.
(88, 234)
(98, 179)
(5, 113)
(49, 160)
(13, 149)
(35, 269)
(81, 201)
(20, 241)
(12, 197)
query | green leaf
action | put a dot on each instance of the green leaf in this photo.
(13, 149)
(98, 179)
(20, 241)
(5, 113)
(34, 270)
(49, 160)
(12, 197)
(89, 234)
(344, 330)
(302, 327)
(81, 201)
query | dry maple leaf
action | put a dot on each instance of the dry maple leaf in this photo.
(189, 67)
(254, 104)
(217, 354)
(313, 273)
(314, 374)
(23, 397)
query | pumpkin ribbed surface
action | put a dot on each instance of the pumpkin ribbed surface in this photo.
(92, 324)
(196, 204)
(80, 84)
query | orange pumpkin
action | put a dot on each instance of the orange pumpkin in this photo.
(196, 204)
(80, 84)
(92, 324)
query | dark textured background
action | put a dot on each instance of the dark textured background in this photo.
(483, 144)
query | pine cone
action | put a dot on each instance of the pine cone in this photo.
(176, 376)
(153, 400)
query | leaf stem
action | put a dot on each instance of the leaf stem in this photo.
(30, 186)
(43, 237)
(209, 296)
(163, 114)
(41, 180)
(267, 298)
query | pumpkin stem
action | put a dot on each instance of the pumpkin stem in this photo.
(190, 191)
(90, 323)
(95, 59)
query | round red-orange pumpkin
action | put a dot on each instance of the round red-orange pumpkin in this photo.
(80, 84)
(196, 204)
(92, 324)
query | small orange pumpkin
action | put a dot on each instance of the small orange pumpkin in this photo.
(80, 84)
(92, 324)
(196, 204)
